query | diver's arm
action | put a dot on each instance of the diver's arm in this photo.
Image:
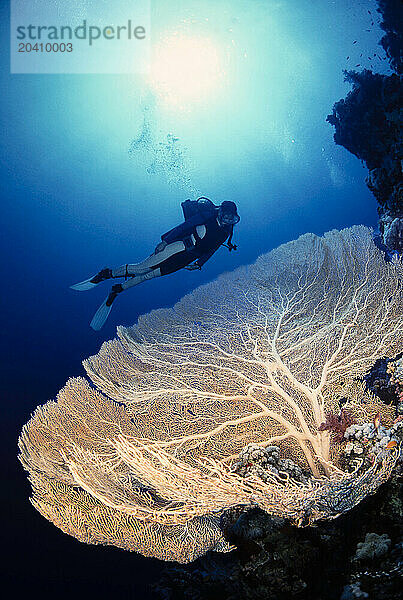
(229, 244)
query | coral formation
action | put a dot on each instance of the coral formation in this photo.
(337, 424)
(385, 380)
(261, 461)
(373, 546)
(392, 41)
(145, 461)
(275, 561)
(368, 123)
(353, 592)
(368, 440)
(395, 371)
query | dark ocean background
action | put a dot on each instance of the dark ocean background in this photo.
(74, 199)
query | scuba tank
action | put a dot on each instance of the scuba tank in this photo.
(202, 206)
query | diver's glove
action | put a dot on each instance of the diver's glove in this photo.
(193, 267)
(160, 247)
(230, 246)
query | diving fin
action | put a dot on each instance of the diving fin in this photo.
(93, 281)
(98, 320)
(84, 285)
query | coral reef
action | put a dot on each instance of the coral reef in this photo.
(144, 460)
(385, 380)
(265, 565)
(373, 546)
(264, 462)
(337, 424)
(353, 592)
(392, 41)
(275, 561)
(395, 371)
(367, 442)
(377, 567)
(368, 123)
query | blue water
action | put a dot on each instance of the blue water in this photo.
(74, 199)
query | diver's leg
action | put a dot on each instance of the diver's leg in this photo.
(136, 279)
(146, 265)
(103, 311)
(129, 270)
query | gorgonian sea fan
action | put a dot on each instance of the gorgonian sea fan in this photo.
(143, 457)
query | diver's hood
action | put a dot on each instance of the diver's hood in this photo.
(227, 213)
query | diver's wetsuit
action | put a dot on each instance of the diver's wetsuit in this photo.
(197, 239)
(201, 242)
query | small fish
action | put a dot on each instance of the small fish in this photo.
(348, 57)
(355, 41)
(377, 420)
(369, 12)
(358, 65)
(392, 444)
(368, 30)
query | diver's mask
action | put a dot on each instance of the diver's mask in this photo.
(227, 214)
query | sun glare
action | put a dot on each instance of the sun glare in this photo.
(185, 70)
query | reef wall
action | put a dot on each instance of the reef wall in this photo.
(368, 123)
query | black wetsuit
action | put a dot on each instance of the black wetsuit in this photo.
(204, 247)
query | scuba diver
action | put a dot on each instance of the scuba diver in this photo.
(188, 245)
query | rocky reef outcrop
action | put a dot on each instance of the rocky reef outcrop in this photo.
(392, 41)
(368, 123)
